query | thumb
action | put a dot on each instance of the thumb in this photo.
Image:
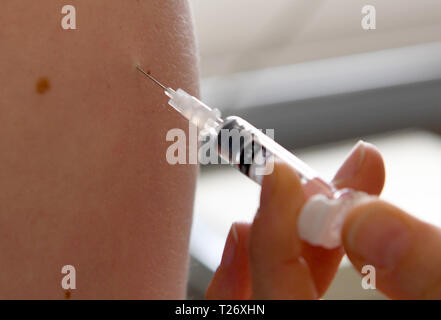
(404, 250)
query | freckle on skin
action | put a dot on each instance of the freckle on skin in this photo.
(42, 85)
(67, 295)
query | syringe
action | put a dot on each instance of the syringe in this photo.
(254, 154)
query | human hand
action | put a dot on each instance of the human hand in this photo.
(404, 250)
(267, 259)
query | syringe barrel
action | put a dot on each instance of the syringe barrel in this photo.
(254, 153)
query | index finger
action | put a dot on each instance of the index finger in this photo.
(277, 269)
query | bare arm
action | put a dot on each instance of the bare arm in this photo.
(83, 175)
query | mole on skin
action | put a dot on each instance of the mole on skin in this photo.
(42, 85)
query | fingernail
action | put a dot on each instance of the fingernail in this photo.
(230, 247)
(352, 163)
(378, 238)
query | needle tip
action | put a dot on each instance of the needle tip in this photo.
(151, 78)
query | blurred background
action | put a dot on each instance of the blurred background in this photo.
(307, 69)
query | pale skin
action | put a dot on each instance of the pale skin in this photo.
(84, 181)
(267, 260)
(83, 175)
